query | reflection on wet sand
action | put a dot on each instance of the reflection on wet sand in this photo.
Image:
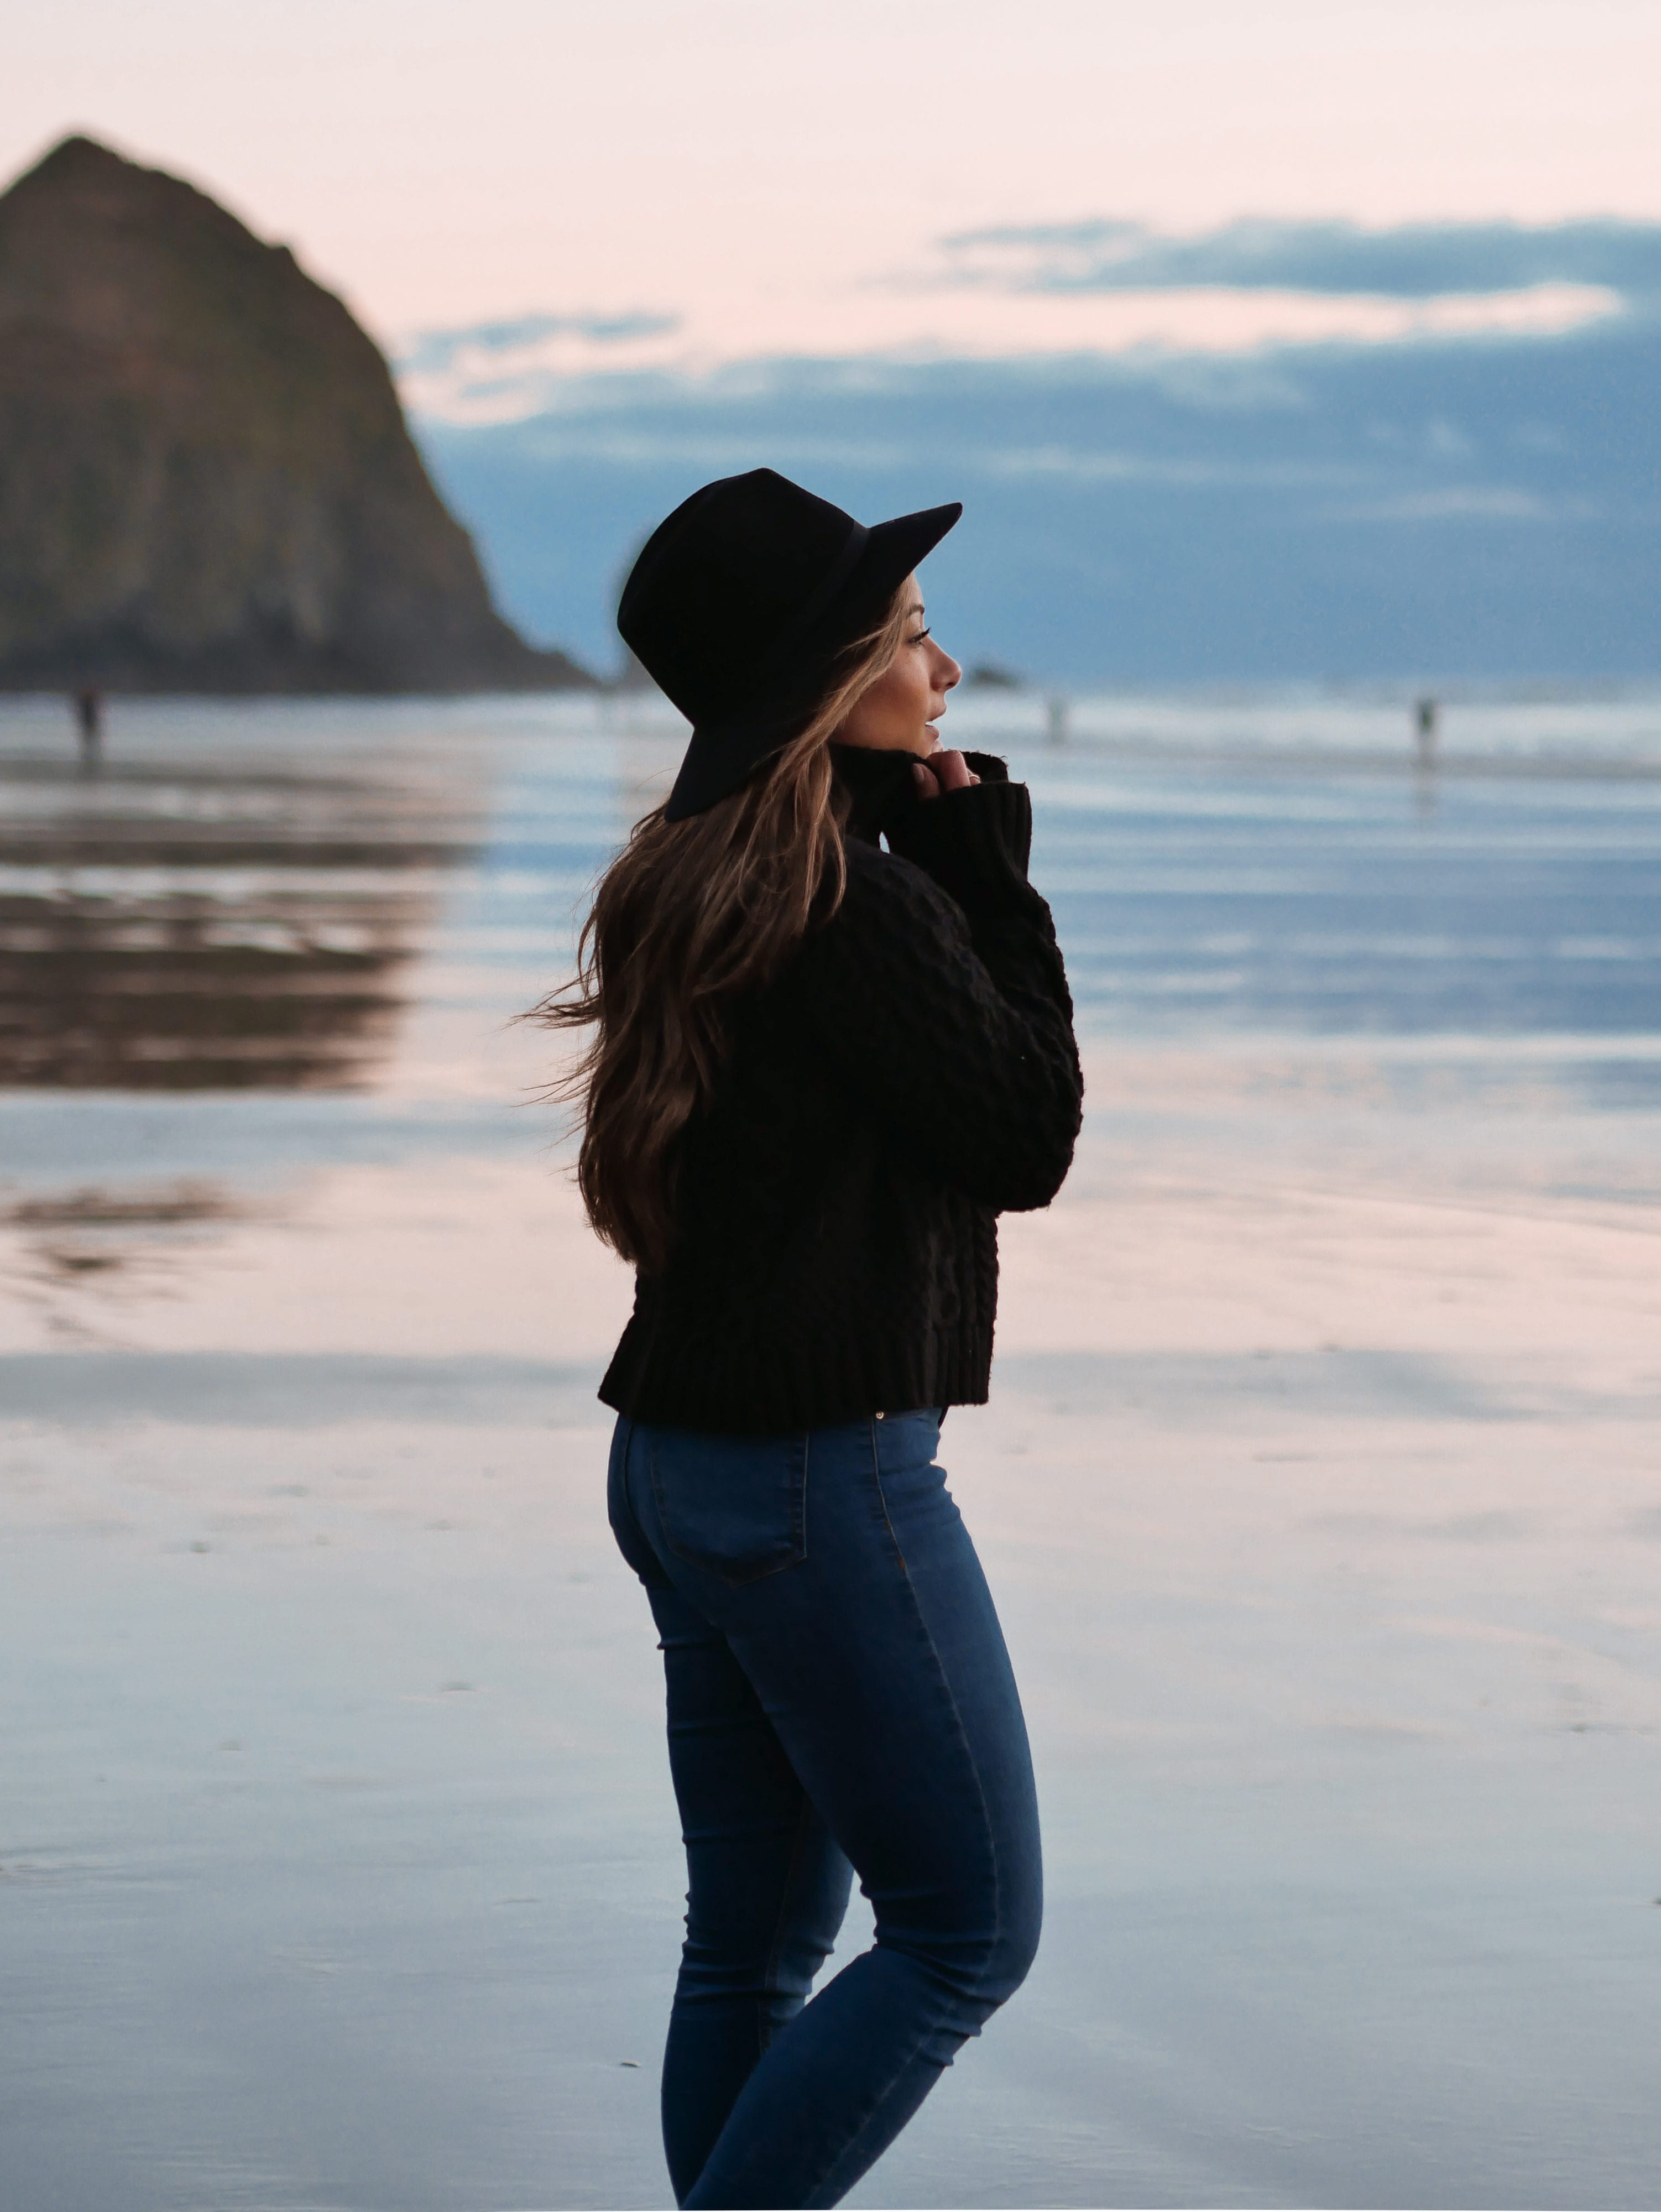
(162, 929)
(73, 1259)
(86, 1232)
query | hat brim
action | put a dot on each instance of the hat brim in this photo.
(724, 754)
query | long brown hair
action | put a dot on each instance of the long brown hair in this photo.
(688, 916)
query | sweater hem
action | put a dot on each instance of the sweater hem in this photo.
(759, 1413)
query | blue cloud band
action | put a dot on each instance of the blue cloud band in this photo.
(1413, 261)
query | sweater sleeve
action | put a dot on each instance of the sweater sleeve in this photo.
(938, 995)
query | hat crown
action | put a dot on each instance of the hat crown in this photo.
(721, 582)
(740, 603)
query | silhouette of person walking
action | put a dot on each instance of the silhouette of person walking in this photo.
(1426, 717)
(88, 702)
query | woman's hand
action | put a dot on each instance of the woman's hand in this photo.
(946, 771)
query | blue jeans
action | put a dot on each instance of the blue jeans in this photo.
(839, 1698)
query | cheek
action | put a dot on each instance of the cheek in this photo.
(897, 704)
(894, 700)
(915, 690)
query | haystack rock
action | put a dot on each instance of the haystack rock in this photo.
(206, 481)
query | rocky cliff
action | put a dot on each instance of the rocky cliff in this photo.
(206, 482)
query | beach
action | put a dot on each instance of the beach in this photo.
(1319, 1490)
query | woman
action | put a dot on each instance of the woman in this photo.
(818, 1072)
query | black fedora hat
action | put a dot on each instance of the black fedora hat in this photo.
(738, 605)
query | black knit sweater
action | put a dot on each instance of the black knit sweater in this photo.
(910, 1075)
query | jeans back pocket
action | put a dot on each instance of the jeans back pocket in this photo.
(736, 1506)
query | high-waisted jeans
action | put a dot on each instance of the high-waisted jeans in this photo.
(839, 1699)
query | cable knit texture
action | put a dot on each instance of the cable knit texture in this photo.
(910, 1075)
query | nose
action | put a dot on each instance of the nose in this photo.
(948, 675)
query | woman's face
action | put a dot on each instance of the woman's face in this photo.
(899, 713)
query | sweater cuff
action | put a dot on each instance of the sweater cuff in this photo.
(975, 843)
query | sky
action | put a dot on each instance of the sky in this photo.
(447, 160)
(614, 247)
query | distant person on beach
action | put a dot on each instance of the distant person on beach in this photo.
(89, 703)
(818, 1072)
(1426, 717)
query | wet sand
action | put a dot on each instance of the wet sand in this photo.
(1320, 1493)
(340, 1868)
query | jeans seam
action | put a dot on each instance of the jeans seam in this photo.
(951, 1699)
(877, 1477)
(872, 2111)
(874, 2107)
(802, 1498)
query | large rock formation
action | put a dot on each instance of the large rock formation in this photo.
(206, 483)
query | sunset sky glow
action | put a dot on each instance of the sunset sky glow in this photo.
(770, 168)
(1313, 336)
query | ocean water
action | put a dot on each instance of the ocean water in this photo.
(337, 1865)
(260, 884)
(238, 945)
